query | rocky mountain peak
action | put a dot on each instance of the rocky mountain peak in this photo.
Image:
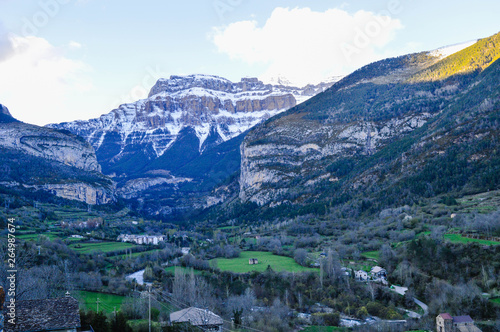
(5, 116)
(182, 129)
(206, 108)
(178, 83)
(4, 110)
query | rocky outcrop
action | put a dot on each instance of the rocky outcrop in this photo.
(51, 144)
(133, 188)
(52, 160)
(270, 162)
(83, 192)
(4, 110)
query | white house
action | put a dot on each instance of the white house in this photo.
(141, 239)
(361, 275)
(378, 272)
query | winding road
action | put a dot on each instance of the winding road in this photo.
(402, 290)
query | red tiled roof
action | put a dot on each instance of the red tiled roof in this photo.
(446, 316)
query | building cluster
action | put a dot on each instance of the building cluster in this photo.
(141, 239)
(376, 273)
(447, 323)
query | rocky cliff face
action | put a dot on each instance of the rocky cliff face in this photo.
(83, 192)
(206, 109)
(270, 161)
(387, 112)
(4, 110)
(46, 143)
(176, 147)
(38, 158)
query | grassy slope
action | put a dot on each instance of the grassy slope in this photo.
(476, 57)
(277, 263)
(107, 301)
(86, 248)
(372, 254)
(457, 238)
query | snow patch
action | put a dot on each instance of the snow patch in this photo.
(446, 51)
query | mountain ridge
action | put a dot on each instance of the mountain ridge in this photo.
(53, 161)
(171, 145)
(324, 142)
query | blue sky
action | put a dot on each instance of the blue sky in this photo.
(62, 60)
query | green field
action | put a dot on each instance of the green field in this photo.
(324, 329)
(277, 263)
(107, 302)
(372, 254)
(87, 248)
(29, 237)
(496, 300)
(457, 238)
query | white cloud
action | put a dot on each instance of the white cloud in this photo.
(307, 46)
(39, 84)
(74, 45)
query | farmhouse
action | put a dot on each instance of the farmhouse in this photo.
(446, 323)
(57, 314)
(141, 239)
(201, 318)
(361, 275)
(253, 261)
(378, 272)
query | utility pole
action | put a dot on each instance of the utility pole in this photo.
(149, 308)
(97, 304)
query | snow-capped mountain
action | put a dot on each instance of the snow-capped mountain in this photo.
(198, 110)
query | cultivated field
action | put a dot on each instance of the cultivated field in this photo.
(277, 263)
(457, 238)
(107, 302)
(87, 248)
(372, 255)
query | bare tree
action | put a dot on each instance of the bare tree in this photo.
(300, 256)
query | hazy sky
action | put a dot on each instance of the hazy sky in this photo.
(63, 60)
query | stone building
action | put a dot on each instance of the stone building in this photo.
(253, 261)
(447, 323)
(203, 319)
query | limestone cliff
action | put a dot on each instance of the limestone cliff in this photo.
(55, 161)
(205, 110)
(50, 144)
(83, 192)
(377, 129)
